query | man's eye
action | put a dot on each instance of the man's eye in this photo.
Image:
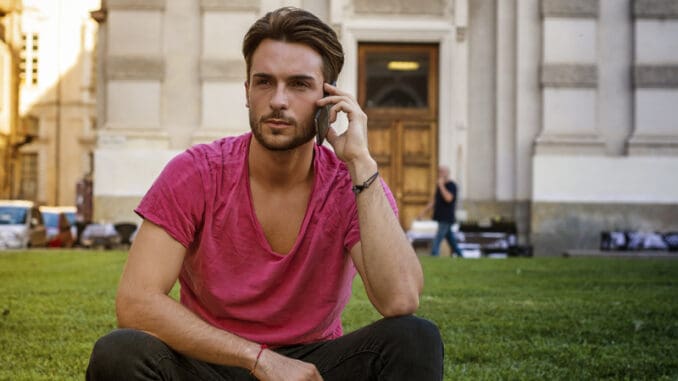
(299, 84)
(262, 82)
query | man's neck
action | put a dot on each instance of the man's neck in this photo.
(280, 169)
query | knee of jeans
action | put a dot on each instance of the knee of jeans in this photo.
(119, 347)
(414, 333)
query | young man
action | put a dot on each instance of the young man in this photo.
(265, 232)
(444, 205)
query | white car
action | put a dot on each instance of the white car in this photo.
(21, 225)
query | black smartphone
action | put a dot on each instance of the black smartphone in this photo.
(322, 121)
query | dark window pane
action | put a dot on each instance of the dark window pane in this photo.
(397, 79)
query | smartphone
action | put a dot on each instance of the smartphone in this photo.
(322, 121)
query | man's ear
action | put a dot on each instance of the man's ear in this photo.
(247, 94)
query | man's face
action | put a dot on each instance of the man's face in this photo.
(285, 81)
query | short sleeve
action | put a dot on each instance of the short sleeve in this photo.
(175, 201)
(353, 234)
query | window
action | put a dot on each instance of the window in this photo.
(28, 64)
(397, 79)
(29, 176)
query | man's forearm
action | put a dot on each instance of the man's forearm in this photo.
(183, 331)
(392, 269)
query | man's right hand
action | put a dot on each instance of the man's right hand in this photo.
(273, 366)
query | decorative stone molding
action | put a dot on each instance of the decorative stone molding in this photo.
(569, 75)
(229, 5)
(400, 7)
(580, 144)
(135, 68)
(661, 9)
(226, 70)
(645, 76)
(570, 8)
(158, 5)
(646, 144)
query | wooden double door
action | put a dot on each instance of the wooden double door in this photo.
(398, 89)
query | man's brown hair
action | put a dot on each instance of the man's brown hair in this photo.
(296, 25)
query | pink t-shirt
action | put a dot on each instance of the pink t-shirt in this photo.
(231, 277)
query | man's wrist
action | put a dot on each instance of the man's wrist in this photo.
(361, 169)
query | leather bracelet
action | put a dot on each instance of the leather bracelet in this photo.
(359, 188)
(261, 350)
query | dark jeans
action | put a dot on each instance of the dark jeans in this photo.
(445, 232)
(402, 348)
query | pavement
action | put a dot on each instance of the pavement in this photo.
(647, 254)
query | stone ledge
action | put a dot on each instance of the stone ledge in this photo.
(569, 75)
(653, 145)
(225, 70)
(136, 4)
(658, 9)
(646, 254)
(229, 5)
(570, 8)
(649, 76)
(400, 7)
(135, 68)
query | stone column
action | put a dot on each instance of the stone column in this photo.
(505, 142)
(569, 78)
(655, 76)
(181, 88)
(222, 71)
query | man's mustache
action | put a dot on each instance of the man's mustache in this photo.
(279, 115)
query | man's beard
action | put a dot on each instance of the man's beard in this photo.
(303, 133)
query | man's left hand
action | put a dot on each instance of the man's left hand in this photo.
(351, 145)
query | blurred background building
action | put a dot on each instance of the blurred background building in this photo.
(10, 45)
(48, 76)
(561, 115)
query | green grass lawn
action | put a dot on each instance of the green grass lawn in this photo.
(532, 319)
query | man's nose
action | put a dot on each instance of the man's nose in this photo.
(279, 100)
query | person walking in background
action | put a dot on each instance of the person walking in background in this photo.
(444, 204)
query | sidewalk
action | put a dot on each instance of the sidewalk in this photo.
(621, 254)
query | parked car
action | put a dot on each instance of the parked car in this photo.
(21, 225)
(100, 235)
(54, 216)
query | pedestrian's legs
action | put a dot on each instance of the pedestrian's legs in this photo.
(128, 354)
(452, 241)
(401, 348)
(440, 235)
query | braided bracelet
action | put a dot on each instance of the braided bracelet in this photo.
(359, 188)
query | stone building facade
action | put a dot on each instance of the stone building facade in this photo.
(10, 135)
(558, 114)
(55, 137)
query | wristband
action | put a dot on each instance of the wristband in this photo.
(256, 361)
(359, 188)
